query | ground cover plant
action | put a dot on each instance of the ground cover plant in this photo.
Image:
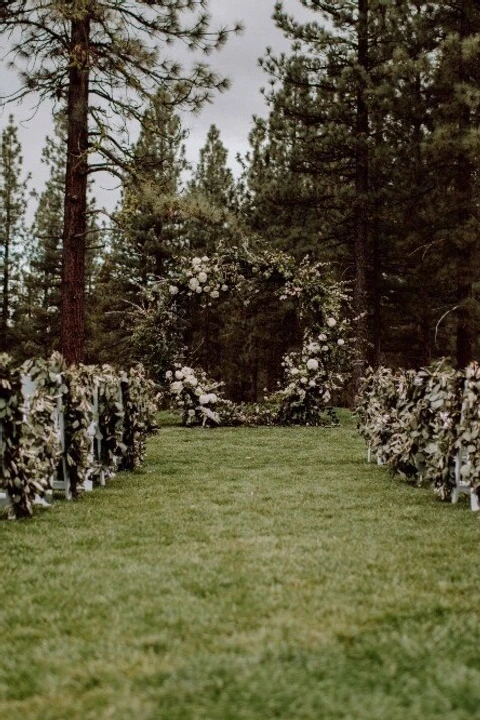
(243, 574)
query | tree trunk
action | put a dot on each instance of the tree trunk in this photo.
(361, 294)
(463, 195)
(6, 281)
(75, 219)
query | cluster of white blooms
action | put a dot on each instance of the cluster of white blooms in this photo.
(192, 392)
(199, 276)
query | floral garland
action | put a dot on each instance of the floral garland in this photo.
(139, 399)
(468, 436)
(411, 422)
(31, 439)
(311, 375)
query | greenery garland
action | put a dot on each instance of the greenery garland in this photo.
(412, 422)
(32, 452)
(311, 374)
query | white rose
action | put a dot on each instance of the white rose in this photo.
(331, 322)
(196, 261)
(294, 371)
(212, 398)
(312, 364)
(303, 380)
(313, 347)
(176, 387)
(325, 348)
(340, 341)
(224, 288)
(322, 337)
(198, 290)
(202, 277)
(312, 383)
(205, 258)
(179, 374)
(203, 399)
(214, 294)
(193, 283)
(173, 289)
(186, 370)
(168, 375)
(191, 380)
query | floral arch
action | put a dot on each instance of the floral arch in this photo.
(311, 374)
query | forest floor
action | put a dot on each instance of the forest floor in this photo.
(243, 574)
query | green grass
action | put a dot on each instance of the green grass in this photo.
(243, 574)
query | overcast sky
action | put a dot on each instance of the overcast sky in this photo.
(231, 112)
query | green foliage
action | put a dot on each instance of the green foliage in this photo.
(77, 423)
(413, 422)
(322, 306)
(12, 230)
(31, 448)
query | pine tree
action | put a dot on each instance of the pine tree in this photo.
(455, 149)
(332, 85)
(106, 58)
(211, 197)
(212, 177)
(12, 226)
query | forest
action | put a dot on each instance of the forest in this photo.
(367, 158)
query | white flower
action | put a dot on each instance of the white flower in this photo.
(212, 398)
(322, 337)
(203, 399)
(214, 294)
(331, 322)
(303, 380)
(193, 283)
(207, 288)
(294, 371)
(168, 375)
(191, 380)
(312, 383)
(325, 348)
(224, 287)
(202, 277)
(179, 374)
(312, 364)
(191, 413)
(176, 387)
(205, 258)
(313, 347)
(197, 261)
(340, 341)
(186, 371)
(173, 289)
(198, 289)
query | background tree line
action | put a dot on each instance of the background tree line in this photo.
(367, 157)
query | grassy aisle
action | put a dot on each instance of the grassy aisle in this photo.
(243, 574)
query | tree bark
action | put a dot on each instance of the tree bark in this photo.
(361, 294)
(75, 218)
(463, 196)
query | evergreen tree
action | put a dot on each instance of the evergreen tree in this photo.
(333, 85)
(211, 197)
(106, 57)
(12, 227)
(43, 278)
(212, 177)
(146, 228)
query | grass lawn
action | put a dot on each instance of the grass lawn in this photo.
(244, 574)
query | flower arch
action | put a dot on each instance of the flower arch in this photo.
(311, 373)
